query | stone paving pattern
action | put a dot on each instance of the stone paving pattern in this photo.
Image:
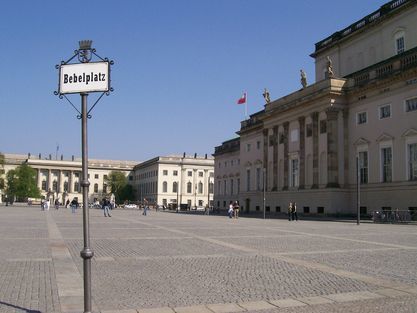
(176, 263)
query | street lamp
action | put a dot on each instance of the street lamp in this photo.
(264, 183)
(358, 198)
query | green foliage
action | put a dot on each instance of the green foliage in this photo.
(21, 183)
(1, 171)
(117, 181)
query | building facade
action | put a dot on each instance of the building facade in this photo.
(362, 110)
(174, 180)
(60, 179)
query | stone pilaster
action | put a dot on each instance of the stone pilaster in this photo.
(332, 145)
(302, 123)
(39, 179)
(275, 159)
(71, 182)
(286, 126)
(346, 146)
(315, 128)
(265, 157)
(49, 182)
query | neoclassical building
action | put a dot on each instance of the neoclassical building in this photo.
(362, 109)
(172, 180)
(60, 179)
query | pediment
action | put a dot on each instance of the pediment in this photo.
(257, 162)
(384, 137)
(410, 132)
(231, 175)
(248, 164)
(361, 141)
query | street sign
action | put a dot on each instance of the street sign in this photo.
(84, 77)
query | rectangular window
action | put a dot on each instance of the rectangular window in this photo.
(258, 145)
(363, 167)
(190, 173)
(96, 176)
(400, 45)
(247, 180)
(248, 147)
(231, 186)
(165, 172)
(412, 161)
(43, 185)
(306, 209)
(238, 185)
(294, 172)
(281, 138)
(386, 158)
(258, 179)
(411, 105)
(384, 111)
(200, 174)
(362, 118)
(320, 210)
(225, 187)
(277, 209)
(175, 173)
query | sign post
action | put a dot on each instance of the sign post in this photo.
(85, 78)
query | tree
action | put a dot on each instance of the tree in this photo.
(21, 183)
(1, 171)
(117, 182)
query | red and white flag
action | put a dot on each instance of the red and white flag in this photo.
(242, 99)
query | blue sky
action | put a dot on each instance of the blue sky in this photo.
(180, 66)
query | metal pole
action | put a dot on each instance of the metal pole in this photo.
(86, 253)
(264, 183)
(358, 199)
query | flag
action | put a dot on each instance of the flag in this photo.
(242, 99)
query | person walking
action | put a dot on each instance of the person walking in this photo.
(46, 205)
(74, 205)
(106, 207)
(290, 211)
(236, 209)
(230, 211)
(294, 212)
(145, 207)
(56, 204)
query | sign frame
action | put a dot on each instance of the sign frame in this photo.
(85, 77)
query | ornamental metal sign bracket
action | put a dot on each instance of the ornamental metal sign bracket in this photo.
(85, 77)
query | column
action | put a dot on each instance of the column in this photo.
(71, 182)
(315, 126)
(302, 122)
(39, 179)
(275, 159)
(49, 183)
(346, 146)
(61, 181)
(332, 145)
(286, 134)
(265, 159)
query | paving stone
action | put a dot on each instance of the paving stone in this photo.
(192, 309)
(225, 308)
(256, 305)
(157, 310)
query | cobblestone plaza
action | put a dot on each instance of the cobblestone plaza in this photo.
(168, 262)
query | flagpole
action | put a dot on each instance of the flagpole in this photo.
(246, 106)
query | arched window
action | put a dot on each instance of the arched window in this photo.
(399, 41)
(189, 187)
(95, 188)
(175, 187)
(76, 187)
(200, 187)
(164, 186)
(104, 188)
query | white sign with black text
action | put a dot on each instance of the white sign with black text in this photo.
(84, 77)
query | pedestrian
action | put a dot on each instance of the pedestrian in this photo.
(290, 211)
(56, 204)
(230, 211)
(236, 209)
(74, 205)
(145, 207)
(42, 205)
(294, 212)
(106, 207)
(46, 205)
(67, 204)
